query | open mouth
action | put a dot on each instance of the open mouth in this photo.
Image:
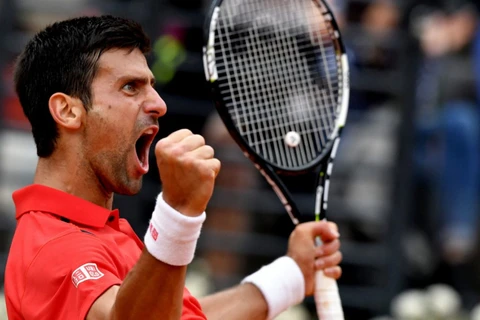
(142, 146)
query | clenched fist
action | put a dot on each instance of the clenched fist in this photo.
(187, 170)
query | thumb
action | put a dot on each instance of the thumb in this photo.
(327, 231)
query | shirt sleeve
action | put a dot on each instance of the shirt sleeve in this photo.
(191, 307)
(68, 274)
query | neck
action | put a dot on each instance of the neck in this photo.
(56, 173)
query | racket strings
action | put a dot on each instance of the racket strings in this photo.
(284, 94)
(278, 74)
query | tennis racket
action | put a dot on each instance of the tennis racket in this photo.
(279, 76)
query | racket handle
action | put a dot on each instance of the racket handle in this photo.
(327, 298)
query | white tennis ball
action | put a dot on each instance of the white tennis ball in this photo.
(292, 139)
(443, 300)
(410, 305)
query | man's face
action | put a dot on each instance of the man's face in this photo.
(122, 122)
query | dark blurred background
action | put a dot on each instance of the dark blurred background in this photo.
(406, 184)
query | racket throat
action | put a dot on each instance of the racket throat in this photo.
(295, 192)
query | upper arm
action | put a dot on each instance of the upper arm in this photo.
(102, 307)
(67, 276)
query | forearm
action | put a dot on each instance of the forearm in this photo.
(242, 302)
(262, 295)
(154, 287)
(146, 293)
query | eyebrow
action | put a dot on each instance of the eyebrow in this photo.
(143, 80)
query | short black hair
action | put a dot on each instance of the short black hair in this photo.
(63, 58)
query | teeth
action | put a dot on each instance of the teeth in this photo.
(149, 131)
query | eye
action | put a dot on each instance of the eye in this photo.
(129, 87)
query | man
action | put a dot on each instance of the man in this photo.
(86, 88)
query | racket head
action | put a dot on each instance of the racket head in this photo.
(264, 63)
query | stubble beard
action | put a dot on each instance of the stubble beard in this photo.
(115, 174)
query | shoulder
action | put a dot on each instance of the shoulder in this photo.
(39, 233)
(68, 273)
(45, 253)
(45, 245)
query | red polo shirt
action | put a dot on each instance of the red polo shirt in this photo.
(65, 253)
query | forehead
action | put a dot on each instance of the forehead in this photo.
(118, 63)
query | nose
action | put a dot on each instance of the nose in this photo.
(155, 105)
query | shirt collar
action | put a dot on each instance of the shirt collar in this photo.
(45, 199)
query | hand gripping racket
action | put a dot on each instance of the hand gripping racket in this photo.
(279, 76)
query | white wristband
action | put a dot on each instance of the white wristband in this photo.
(171, 236)
(281, 283)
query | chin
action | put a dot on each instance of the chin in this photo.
(129, 189)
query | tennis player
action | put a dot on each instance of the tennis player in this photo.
(85, 86)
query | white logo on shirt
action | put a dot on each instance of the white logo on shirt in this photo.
(89, 271)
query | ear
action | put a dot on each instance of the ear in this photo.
(68, 112)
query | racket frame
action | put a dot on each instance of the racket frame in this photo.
(321, 166)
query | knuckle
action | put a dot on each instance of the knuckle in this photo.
(338, 272)
(334, 245)
(206, 151)
(202, 168)
(161, 145)
(211, 175)
(334, 248)
(210, 150)
(217, 164)
(206, 173)
(333, 225)
(192, 163)
(339, 256)
(200, 138)
(319, 227)
(178, 150)
(326, 225)
(334, 259)
(186, 131)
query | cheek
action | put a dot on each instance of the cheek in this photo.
(102, 136)
(107, 122)
(110, 131)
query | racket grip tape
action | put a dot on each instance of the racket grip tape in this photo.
(327, 298)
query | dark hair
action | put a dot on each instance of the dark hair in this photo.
(63, 58)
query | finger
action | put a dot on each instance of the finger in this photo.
(322, 229)
(192, 142)
(179, 135)
(327, 248)
(172, 139)
(333, 272)
(204, 152)
(333, 226)
(328, 261)
(214, 164)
